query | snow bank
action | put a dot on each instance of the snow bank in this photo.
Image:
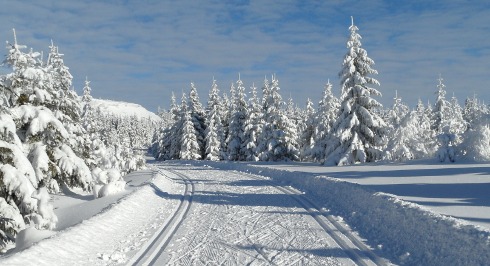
(403, 232)
(29, 236)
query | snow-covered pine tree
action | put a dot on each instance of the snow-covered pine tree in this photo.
(48, 126)
(87, 92)
(426, 136)
(402, 132)
(476, 139)
(457, 124)
(19, 204)
(96, 154)
(324, 119)
(476, 143)
(398, 111)
(358, 132)
(475, 113)
(225, 113)
(198, 118)
(448, 123)
(189, 145)
(212, 140)
(440, 112)
(67, 100)
(307, 141)
(164, 143)
(214, 128)
(253, 126)
(278, 140)
(18, 181)
(294, 113)
(235, 140)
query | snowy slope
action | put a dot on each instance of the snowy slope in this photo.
(123, 108)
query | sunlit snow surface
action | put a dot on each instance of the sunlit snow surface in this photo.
(123, 109)
(112, 230)
(461, 190)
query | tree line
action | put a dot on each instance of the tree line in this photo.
(353, 128)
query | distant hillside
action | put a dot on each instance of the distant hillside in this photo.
(123, 109)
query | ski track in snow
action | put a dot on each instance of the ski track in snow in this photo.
(154, 248)
(240, 219)
(353, 246)
(198, 215)
(110, 237)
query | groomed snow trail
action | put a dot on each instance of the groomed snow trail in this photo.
(154, 248)
(241, 219)
(113, 236)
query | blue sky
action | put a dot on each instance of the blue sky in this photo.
(141, 51)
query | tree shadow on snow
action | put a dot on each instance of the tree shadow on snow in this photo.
(471, 194)
(409, 172)
(333, 252)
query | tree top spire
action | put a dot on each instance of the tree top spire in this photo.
(15, 37)
(352, 20)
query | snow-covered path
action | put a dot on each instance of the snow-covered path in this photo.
(180, 214)
(111, 236)
(240, 219)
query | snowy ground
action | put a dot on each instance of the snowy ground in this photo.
(194, 213)
(460, 190)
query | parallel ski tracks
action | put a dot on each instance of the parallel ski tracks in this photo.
(357, 251)
(154, 248)
(355, 248)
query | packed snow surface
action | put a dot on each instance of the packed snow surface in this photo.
(259, 214)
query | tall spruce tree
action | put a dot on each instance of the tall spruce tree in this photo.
(440, 112)
(278, 140)
(324, 119)
(189, 144)
(359, 132)
(214, 127)
(253, 126)
(237, 124)
(47, 117)
(198, 118)
(307, 140)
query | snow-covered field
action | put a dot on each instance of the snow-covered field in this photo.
(460, 190)
(265, 214)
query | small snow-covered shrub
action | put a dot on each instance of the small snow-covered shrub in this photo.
(476, 144)
(111, 188)
(11, 222)
(45, 217)
(446, 149)
(107, 182)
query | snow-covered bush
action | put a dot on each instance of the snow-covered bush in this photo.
(45, 217)
(18, 183)
(107, 182)
(446, 147)
(476, 144)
